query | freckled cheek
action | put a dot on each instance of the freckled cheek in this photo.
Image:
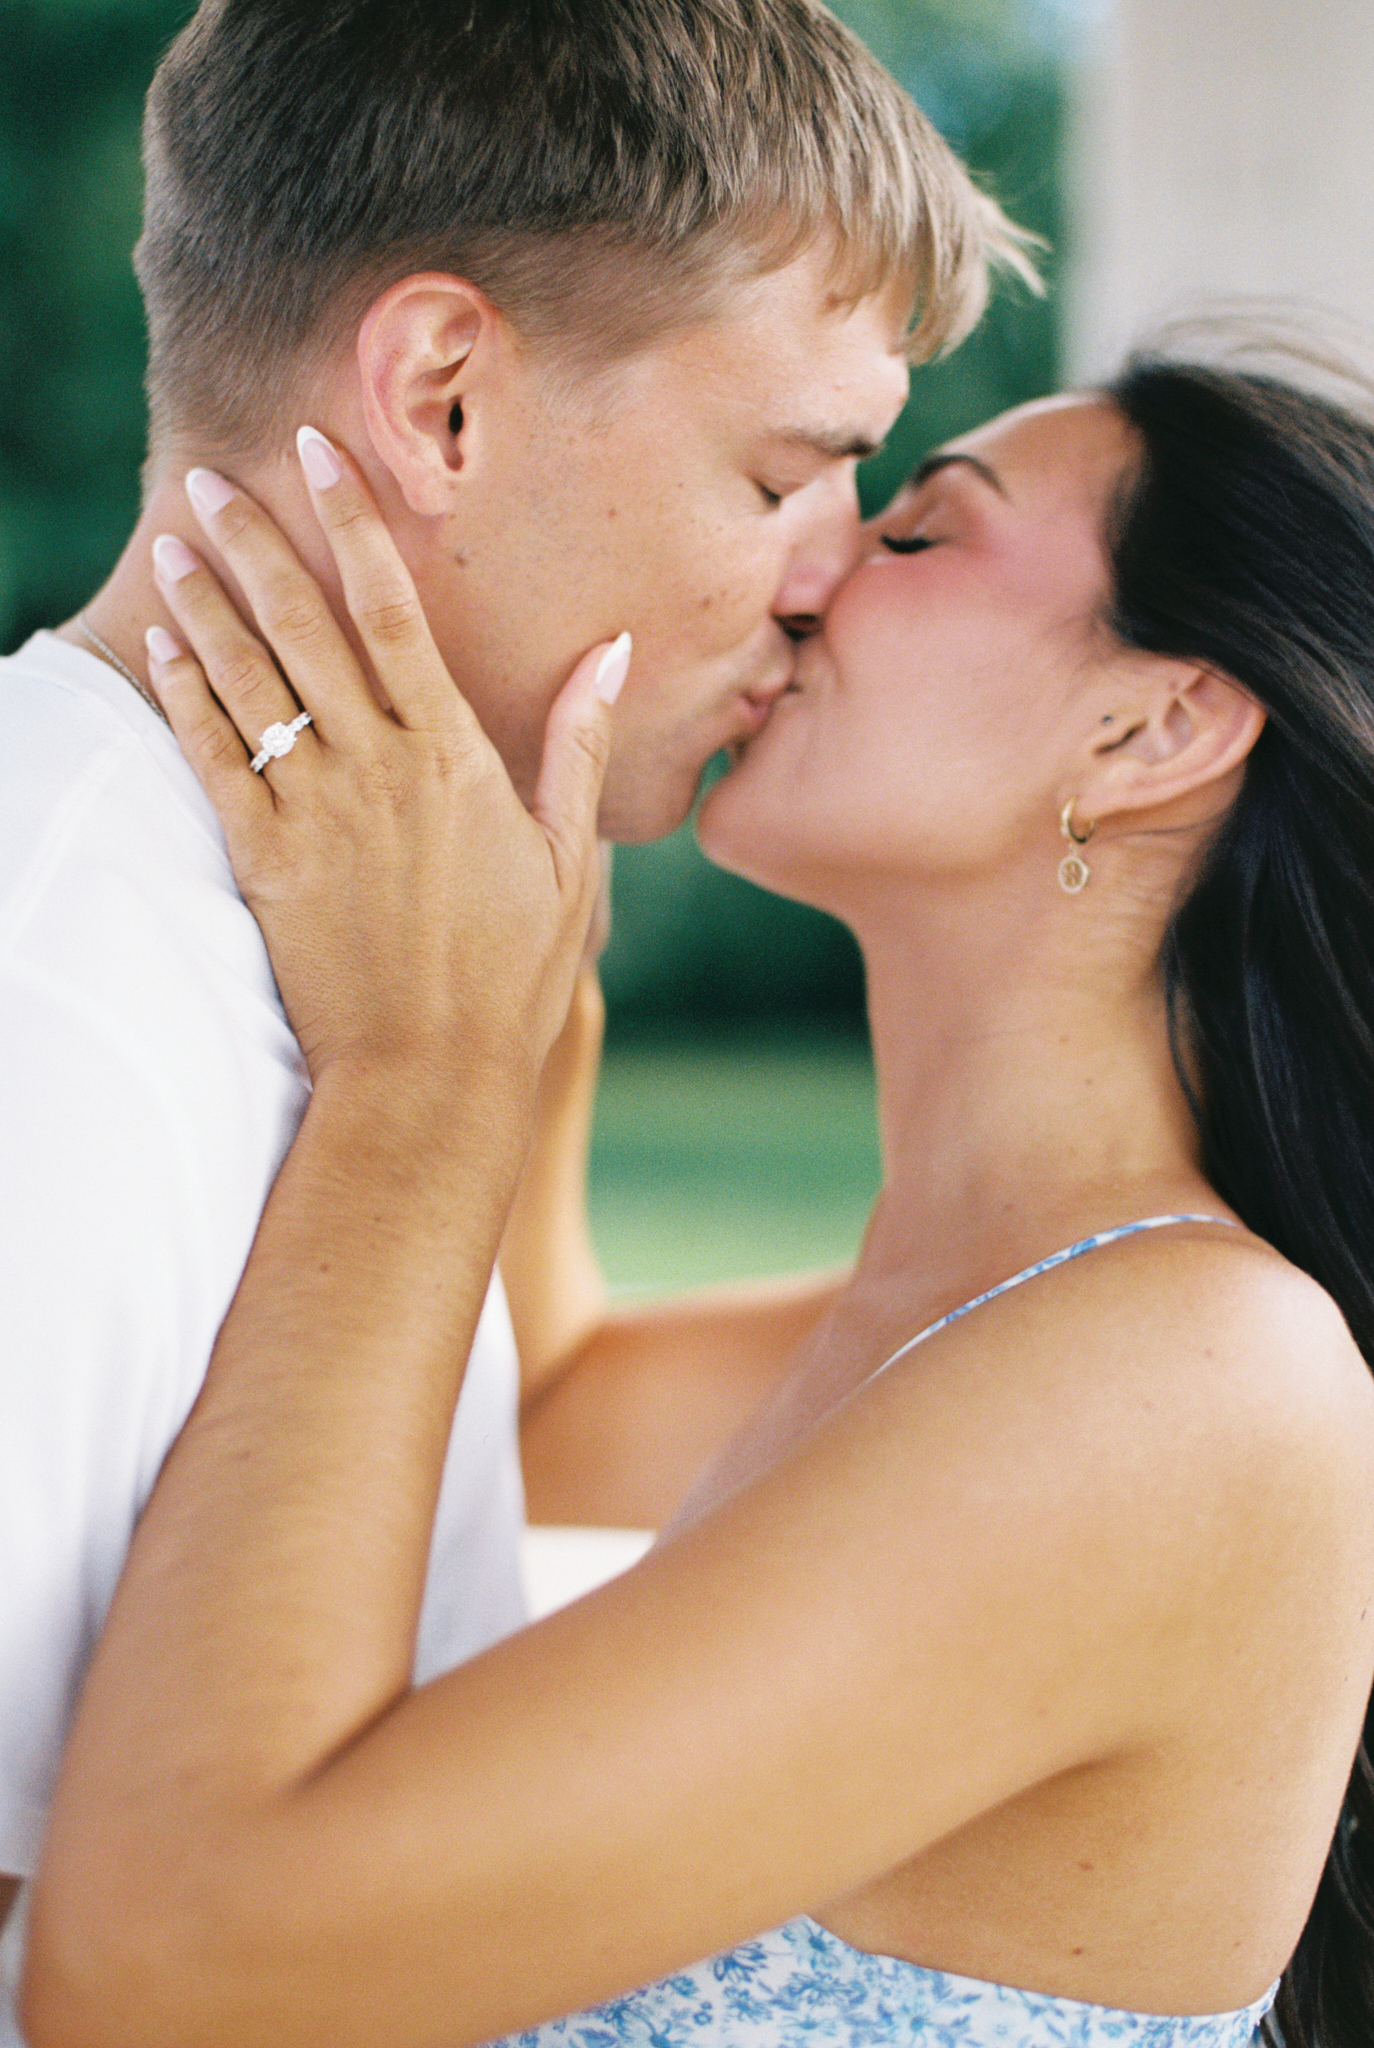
(681, 584)
(711, 581)
(717, 632)
(731, 607)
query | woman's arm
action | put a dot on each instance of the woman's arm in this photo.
(653, 1392)
(262, 1836)
(928, 1608)
(624, 1404)
(549, 1263)
(552, 1275)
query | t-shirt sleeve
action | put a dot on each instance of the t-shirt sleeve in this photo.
(100, 1359)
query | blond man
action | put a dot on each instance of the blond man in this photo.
(607, 300)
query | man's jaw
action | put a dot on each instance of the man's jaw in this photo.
(655, 777)
(650, 792)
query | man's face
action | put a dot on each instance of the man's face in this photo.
(709, 506)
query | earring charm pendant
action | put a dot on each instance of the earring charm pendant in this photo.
(1074, 872)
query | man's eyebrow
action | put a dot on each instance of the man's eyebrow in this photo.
(837, 445)
(942, 460)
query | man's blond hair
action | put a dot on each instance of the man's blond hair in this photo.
(603, 170)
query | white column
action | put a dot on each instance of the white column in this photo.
(1221, 147)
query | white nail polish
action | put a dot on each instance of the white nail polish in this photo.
(208, 492)
(318, 459)
(173, 558)
(613, 669)
(162, 647)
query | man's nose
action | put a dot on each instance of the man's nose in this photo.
(823, 556)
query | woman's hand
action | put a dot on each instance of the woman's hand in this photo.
(414, 910)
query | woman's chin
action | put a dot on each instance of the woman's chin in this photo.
(743, 831)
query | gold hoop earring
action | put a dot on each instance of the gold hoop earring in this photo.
(1074, 872)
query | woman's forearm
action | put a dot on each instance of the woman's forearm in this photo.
(548, 1261)
(652, 1392)
(329, 1400)
(623, 1404)
(424, 928)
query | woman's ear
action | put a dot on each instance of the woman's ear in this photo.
(424, 350)
(1180, 731)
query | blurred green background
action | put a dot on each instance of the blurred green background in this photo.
(735, 1129)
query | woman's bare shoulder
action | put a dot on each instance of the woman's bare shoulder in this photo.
(1195, 1395)
(1226, 1327)
(1170, 1321)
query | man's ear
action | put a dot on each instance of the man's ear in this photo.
(425, 350)
(1180, 731)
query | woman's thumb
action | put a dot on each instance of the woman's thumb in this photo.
(577, 746)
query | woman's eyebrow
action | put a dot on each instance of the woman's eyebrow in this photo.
(942, 460)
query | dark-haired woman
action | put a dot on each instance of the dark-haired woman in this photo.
(1025, 1638)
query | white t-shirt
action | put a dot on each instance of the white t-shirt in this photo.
(149, 1088)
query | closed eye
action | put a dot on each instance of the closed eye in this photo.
(910, 546)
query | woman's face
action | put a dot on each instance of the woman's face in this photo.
(957, 678)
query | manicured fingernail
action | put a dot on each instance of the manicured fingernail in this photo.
(613, 669)
(174, 559)
(208, 492)
(162, 648)
(321, 465)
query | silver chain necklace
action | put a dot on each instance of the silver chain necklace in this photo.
(108, 652)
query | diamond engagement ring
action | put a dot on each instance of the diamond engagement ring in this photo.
(278, 740)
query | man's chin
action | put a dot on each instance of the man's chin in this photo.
(645, 804)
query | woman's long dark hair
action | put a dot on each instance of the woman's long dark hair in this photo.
(1246, 542)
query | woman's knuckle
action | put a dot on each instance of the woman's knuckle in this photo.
(383, 779)
(234, 525)
(216, 745)
(236, 672)
(348, 515)
(390, 615)
(295, 616)
(592, 744)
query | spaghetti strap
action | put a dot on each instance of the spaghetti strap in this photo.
(1061, 1258)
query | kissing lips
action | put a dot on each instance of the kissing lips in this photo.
(754, 715)
(757, 708)
(758, 703)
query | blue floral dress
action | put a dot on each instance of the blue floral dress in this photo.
(802, 1987)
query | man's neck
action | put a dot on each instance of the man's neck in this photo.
(122, 611)
(129, 602)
